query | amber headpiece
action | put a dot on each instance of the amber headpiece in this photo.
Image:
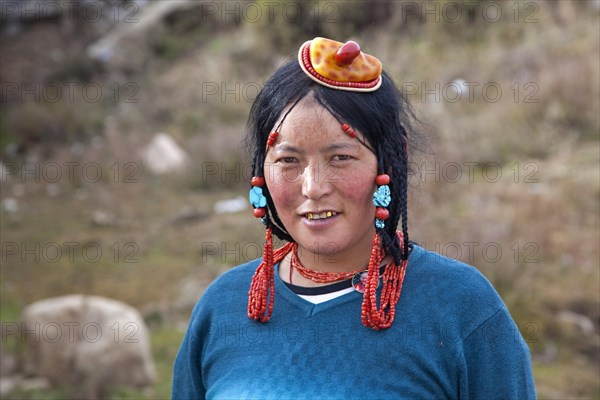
(340, 65)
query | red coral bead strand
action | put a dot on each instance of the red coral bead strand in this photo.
(261, 295)
(319, 276)
(393, 278)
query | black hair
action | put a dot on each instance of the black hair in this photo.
(383, 116)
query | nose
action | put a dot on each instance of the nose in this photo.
(314, 182)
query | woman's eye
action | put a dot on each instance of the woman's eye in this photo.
(342, 157)
(287, 160)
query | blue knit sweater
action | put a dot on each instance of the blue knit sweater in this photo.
(452, 338)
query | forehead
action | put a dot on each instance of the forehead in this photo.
(308, 120)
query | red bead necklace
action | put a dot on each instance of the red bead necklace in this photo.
(318, 276)
(261, 295)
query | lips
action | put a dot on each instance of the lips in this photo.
(320, 215)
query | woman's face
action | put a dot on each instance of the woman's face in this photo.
(322, 183)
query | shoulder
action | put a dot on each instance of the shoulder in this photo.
(447, 273)
(459, 291)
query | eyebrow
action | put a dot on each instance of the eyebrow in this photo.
(287, 147)
(341, 146)
(328, 148)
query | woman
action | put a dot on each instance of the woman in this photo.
(348, 308)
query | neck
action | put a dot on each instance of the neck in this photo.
(324, 262)
(331, 261)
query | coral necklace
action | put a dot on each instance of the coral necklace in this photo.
(318, 276)
(261, 295)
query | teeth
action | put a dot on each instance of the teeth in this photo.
(323, 215)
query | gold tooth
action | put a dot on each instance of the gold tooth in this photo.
(326, 214)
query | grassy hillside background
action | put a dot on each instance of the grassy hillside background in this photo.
(509, 93)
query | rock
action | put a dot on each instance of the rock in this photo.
(90, 344)
(10, 205)
(460, 89)
(127, 44)
(189, 215)
(8, 385)
(103, 218)
(37, 384)
(164, 155)
(581, 321)
(231, 205)
(18, 382)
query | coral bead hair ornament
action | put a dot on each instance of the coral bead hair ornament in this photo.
(257, 198)
(345, 67)
(272, 138)
(340, 65)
